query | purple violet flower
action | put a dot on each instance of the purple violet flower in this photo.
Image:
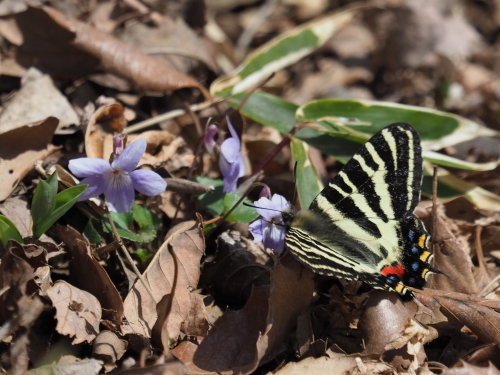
(118, 180)
(231, 163)
(209, 137)
(270, 229)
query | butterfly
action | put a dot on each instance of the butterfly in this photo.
(362, 226)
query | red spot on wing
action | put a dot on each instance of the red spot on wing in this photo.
(393, 270)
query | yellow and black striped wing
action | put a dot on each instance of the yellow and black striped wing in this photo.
(362, 226)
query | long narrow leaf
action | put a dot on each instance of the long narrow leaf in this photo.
(8, 231)
(281, 52)
(63, 202)
(308, 182)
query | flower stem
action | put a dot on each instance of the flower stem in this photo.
(118, 239)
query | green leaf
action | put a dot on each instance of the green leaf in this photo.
(242, 214)
(122, 220)
(436, 128)
(63, 202)
(144, 235)
(308, 182)
(449, 161)
(281, 52)
(52, 181)
(144, 255)
(144, 217)
(213, 200)
(43, 203)
(123, 223)
(91, 232)
(8, 231)
(279, 114)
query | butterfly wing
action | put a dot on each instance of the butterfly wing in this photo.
(361, 226)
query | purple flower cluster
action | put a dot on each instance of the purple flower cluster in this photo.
(270, 229)
(118, 179)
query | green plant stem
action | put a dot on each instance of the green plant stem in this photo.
(118, 239)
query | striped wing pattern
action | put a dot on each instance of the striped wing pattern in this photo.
(362, 226)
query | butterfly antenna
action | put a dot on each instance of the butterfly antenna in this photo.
(264, 208)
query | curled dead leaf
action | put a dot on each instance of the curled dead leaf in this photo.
(480, 315)
(452, 259)
(109, 348)
(87, 274)
(78, 313)
(125, 60)
(244, 339)
(172, 274)
(21, 148)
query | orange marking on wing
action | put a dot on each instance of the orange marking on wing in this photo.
(393, 270)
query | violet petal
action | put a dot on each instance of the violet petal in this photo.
(96, 187)
(257, 228)
(130, 157)
(148, 182)
(89, 167)
(274, 237)
(230, 148)
(120, 193)
(209, 138)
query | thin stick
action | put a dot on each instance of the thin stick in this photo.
(169, 115)
(434, 205)
(118, 239)
(285, 141)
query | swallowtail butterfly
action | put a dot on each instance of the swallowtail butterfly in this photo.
(361, 226)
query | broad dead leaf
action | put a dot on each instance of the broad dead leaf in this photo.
(480, 315)
(88, 366)
(172, 274)
(244, 339)
(87, 274)
(15, 273)
(78, 313)
(234, 271)
(21, 148)
(16, 208)
(38, 99)
(451, 259)
(125, 60)
(469, 369)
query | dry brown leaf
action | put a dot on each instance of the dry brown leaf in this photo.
(15, 273)
(383, 319)
(244, 339)
(109, 348)
(480, 315)
(172, 275)
(197, 321)
(78, 313)
(127, 61)
(38, 99)
(482, 356)
(169, 368)
(100, 125)
(88, 366)
(17, 210)
(173, 38)
(322, 365)
(451, 259)
(469, 369)
(234, 271)
(21, 148)
(87, 274)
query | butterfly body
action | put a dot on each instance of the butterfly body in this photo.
(362, 226)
